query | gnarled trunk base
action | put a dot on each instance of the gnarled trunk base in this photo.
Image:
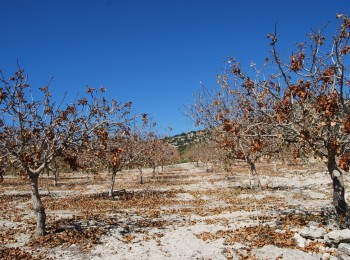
(254, 177)
(141, 176)
(114, 173)
(39, 210)
(339, 202)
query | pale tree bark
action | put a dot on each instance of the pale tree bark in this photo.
(141, 175)
(54, 170)
(253, 176)
(38, 206)
(155, 170)
(55, 176)
(114, 173)
(335, 173)
(2, 172)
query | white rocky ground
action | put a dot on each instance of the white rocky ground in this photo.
(183, 213)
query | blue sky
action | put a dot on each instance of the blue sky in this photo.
(153, 53)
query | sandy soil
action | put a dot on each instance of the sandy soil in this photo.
(184, 212)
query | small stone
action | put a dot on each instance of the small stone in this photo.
(338, 236)
(312, 232)
(326, 256)
(273, 252)
(313, 224)
(300, 240)
(345, 248)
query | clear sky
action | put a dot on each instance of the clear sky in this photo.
(153, 53)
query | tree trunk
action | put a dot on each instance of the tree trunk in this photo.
(55, 177)
(141, 175)
(254, 177)
(2, 175)
(339, 202)
(55, 173)
(114, 173)
(154, 171)
(39, 210)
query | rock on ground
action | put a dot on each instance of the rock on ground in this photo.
(345, 248)
(312, 232)
(338, 236)
(273, 252)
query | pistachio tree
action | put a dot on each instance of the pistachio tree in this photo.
(35, 128)
(231, 113)
(310, 92)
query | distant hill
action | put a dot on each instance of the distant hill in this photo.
(184, 141)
